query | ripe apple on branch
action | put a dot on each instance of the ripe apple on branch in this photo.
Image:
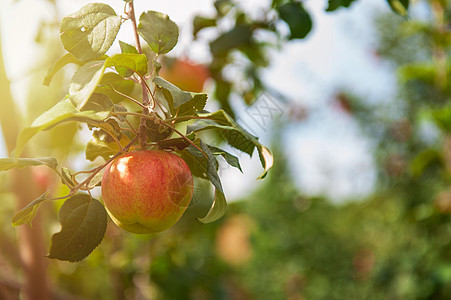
(151, 146)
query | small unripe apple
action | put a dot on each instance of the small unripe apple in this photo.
(147, 191)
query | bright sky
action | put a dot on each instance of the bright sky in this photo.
(327, 153)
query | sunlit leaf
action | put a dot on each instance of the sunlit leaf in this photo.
(83, 225)
(85, 81)
(63, 111)
(66, 59)
(26, 214)
(127, 63)
(176, 99)
(127, 48)
(114, 81)
(9, 163)
(101, 146)
(66, 177)
(160, 33)
(99, 103)
(90, 32)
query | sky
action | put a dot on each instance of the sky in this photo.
(327, 152)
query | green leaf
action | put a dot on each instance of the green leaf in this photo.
(83, 225)
(99, 103)
(174, 97)
(63, 111)
(297, 18)
(442, 118)
(235, 135)
(424, 160)
(200, 23)
(212, 167)
(128, 63)
(9, 163)
(417, 71)
(160, 33)
(217, 210)
(127, 48)
(66, 177)
(227, 128)
(335, 4)
(101, 145)
(85, 81)
(196, 104)
(90, 32)
(400, 7)
(113, 80)
(209, 165)
(26, 214)
(229, 158)
(66, 59)
(235, 38)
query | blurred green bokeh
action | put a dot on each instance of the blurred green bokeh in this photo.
(279, 243)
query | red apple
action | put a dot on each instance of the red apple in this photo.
(147, 191)
(185, 74)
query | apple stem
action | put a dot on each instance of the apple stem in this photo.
(96, 170)
(142, 136)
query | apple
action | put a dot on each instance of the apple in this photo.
(147, 191)
(186, 75)
(43, 178)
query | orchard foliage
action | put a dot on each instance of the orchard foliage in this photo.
(101, 94)
(250, 39)
(126, 104)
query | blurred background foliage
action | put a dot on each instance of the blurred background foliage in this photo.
(279, 243)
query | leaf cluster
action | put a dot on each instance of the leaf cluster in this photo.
(102, 95)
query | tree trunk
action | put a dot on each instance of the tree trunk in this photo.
(31, 248)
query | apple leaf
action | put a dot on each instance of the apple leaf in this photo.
(229, 158)
(237, 37)
(297, 18)
(160, 32)
(66, 59)
(217, 210)
(200, 23)
(219, 206)
(63, 111)
(66, 177)
(128, 63)
(196, 104)
(99, 102)
(234, 134)
(127, 48)
(335, 4)
(206, 168)
(102, 145)
(85, 81)
(83, 225)
(399, 6)
(112, 81)
(174, 98)
(9, 163)
(212, 167)
(26, 214)
(90, 32)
